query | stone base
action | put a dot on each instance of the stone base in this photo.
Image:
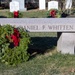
(25, 9)
(66, 43)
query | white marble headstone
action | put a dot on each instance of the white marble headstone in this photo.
(42, 4)
(21, 5)
(14, 6)
(68, 4)
(52, 5)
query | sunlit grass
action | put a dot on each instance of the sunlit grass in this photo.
(52, 64)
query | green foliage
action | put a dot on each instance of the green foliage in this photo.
(11, 14)
(18, 54)
(20, 15)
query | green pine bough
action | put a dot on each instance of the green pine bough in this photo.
(13, 48)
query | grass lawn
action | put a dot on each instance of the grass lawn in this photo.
(49, 62)
(36, 13)
(27, 14)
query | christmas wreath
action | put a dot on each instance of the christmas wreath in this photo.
(13, 45)
(54, 13)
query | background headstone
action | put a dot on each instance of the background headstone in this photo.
(21, 5)
(52, 5)
(14, 6)
(68, 4)
(42, 4)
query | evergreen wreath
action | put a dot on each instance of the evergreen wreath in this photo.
(13, 45)
(54, 13)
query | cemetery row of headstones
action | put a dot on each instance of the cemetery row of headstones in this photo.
(54, 4)
(19, 5)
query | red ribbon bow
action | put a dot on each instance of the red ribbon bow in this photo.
(53, 13)
(16, 14)
(15, 37)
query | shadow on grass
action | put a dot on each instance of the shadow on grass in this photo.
(3, 17)
(41, 45)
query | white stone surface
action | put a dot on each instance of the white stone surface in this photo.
(43, 24)
(14, 6)
(68, 4)
(66, 43)
(52, 5)
(42, 4)
(21, 5)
